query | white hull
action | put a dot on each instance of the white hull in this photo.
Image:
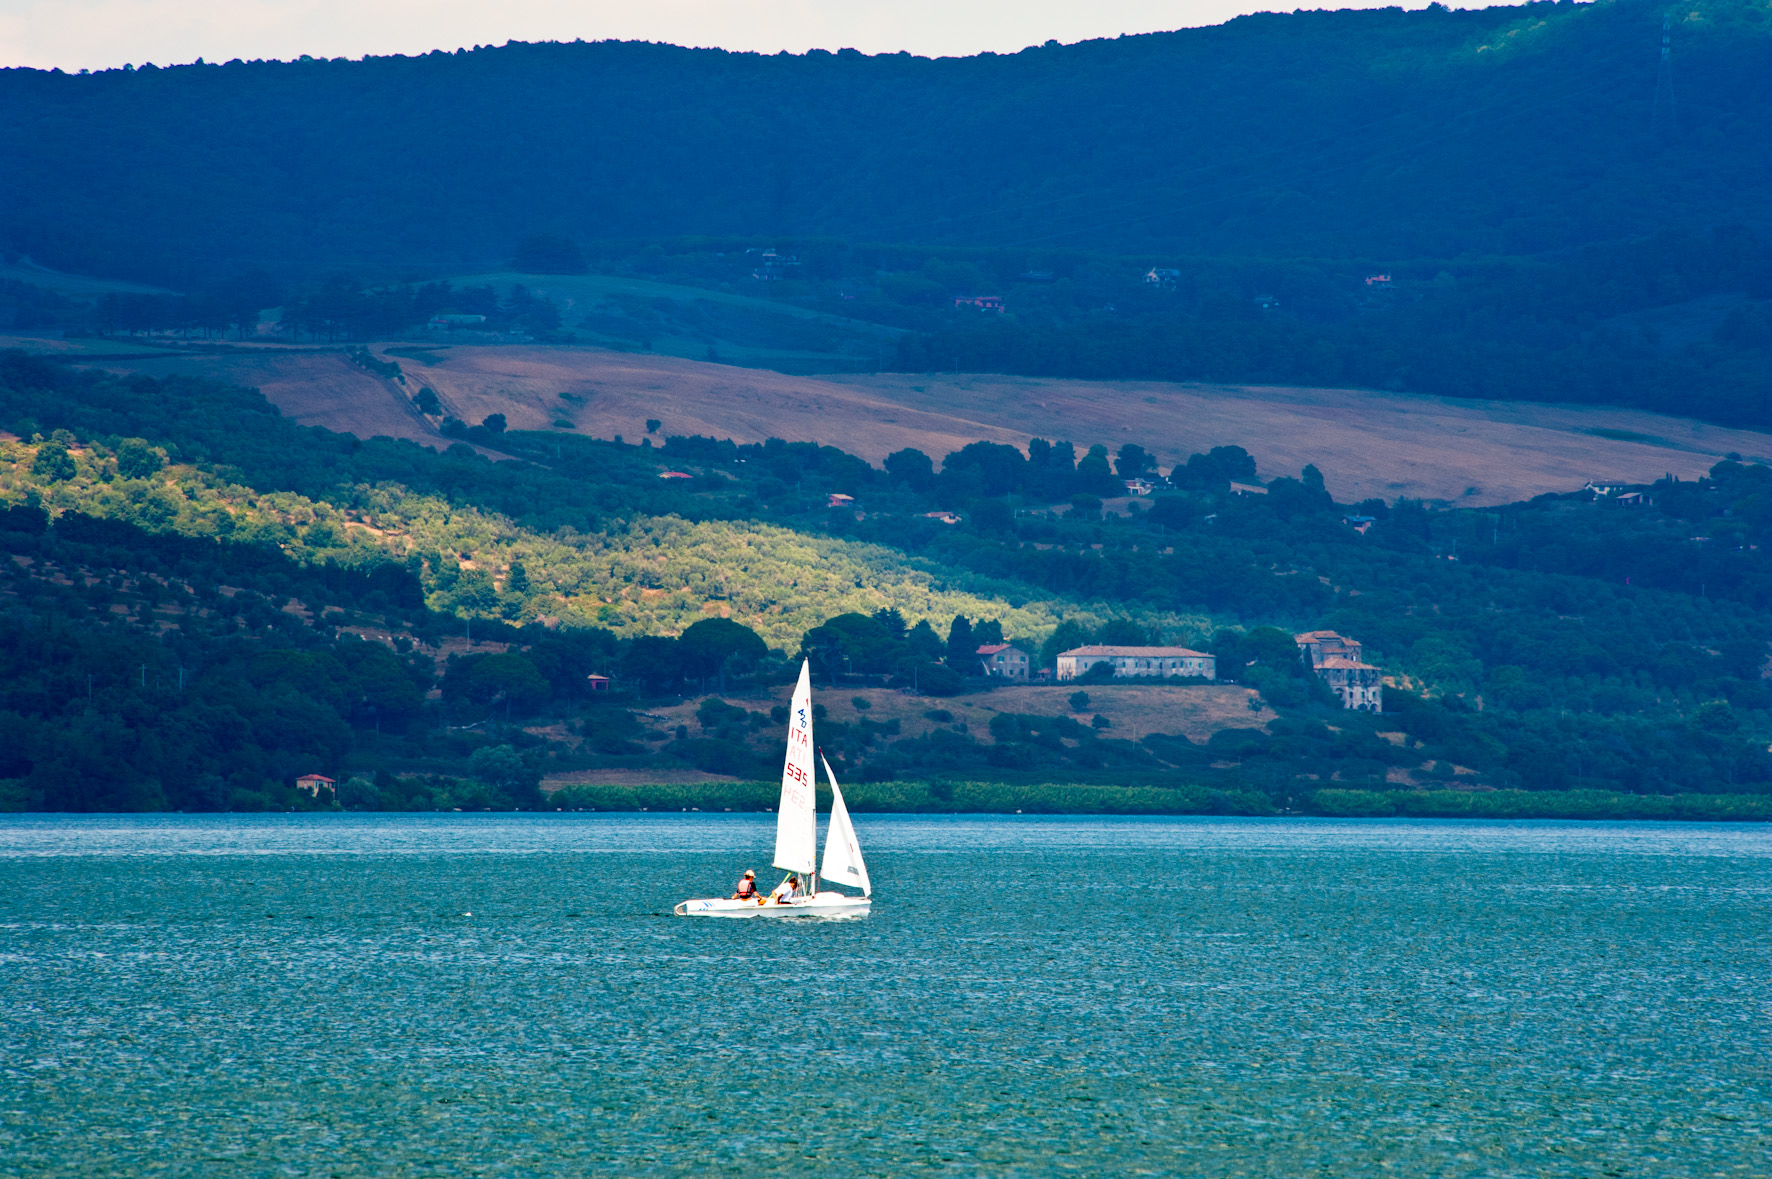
(825, 904)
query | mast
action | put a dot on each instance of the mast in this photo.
(796, 818)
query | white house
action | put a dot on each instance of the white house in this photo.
(1136, 662)
(1005, 661)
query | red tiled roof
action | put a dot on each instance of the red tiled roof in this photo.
(1140, 652)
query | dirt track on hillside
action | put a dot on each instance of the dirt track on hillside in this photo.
(1366, 444)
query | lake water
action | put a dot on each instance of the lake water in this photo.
(510, 996)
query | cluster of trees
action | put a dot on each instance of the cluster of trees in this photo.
(215, 308)
(143, 672)
(1583, 329)
(25, 305)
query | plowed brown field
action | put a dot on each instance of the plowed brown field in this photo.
(1366, 444)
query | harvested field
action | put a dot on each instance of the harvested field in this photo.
(609, 393)
(314, 386)
(1367, 444)
(1135, 710)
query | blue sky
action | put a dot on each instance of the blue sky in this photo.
(97, 34)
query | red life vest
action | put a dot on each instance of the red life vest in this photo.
(747, 887)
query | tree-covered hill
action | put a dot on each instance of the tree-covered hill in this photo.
(1499, 131)
(187, 581)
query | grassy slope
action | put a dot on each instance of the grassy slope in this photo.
(649, 575)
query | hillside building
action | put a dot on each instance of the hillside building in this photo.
(1336, 660)
(315, 783)
(1140, 662)
(1005, 661)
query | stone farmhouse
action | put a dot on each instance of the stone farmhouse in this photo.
(1336, 660)
(1005, 661)
(1147, 662)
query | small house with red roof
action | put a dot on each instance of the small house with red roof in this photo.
(315, 783)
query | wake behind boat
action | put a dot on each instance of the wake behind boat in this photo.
(796, 838)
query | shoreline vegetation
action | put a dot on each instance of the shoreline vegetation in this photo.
(1077, 799)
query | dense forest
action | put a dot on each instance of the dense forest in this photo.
(202, 600)
(1509, 203)
(1382, 135)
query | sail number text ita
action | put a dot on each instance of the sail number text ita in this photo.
(798, 736)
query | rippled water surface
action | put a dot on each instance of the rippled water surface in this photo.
(509, 995)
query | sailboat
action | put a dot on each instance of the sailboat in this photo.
(796, 837)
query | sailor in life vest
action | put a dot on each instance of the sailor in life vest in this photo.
(747, 887)
(784, 891)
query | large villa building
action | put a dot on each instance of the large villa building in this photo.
(1131, 662)
(1336, 660)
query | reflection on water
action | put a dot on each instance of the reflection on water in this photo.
(1031, 996)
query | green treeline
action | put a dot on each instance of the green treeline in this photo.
(959, 797)
(1044, 799)
(1580, 328)
(1520, 804)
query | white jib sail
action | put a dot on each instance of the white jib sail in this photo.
(796, 819)
(842, 854)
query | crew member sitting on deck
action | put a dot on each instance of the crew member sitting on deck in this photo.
(785, 890)
(747, 887)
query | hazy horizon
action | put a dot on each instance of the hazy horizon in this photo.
(105, 34)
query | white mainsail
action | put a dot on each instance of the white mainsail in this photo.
(842, 854)
(796, 820)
